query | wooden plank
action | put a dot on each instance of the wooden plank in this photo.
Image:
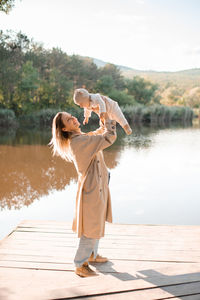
(119, 265)
(112, 228)
(164, 293)
(110, 267)
(154, 293)
(191, 297)
(117, 254)
(18, 244)
(120, 226)
(136, 293)
(181, 233)
(104, 242)
(142, 236)
(108, 238)
(131, 268)
(132, 231)
(191, 238)
(53, 285)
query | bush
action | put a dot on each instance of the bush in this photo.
(8, 118)
(44, 117)
(156, 113)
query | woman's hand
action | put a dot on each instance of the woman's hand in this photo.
(103, 117)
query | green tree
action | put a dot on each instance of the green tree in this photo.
(25, 94)
(30, 77)
(115, 73)
(11, 60)
(143, 91)
(105, 84)
(122, 97)
(60, 88)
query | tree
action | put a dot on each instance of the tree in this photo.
(105, 84)
(172, 95)
(12, 49)
(114, 72)
(6, 5)
(192, 97)
(30, 77)
(143, 91)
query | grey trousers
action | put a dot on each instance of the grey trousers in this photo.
(85, 249)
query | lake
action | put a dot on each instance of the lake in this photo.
(154, 177)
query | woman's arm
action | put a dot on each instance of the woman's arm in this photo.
(99, 141)
(88, 145)
(101, 130)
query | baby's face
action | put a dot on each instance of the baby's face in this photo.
(84, 104)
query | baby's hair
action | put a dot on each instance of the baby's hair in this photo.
(80, 95)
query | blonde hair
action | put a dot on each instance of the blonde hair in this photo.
(60, 139)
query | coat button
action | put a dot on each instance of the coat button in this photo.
(98, 161)
(100, 190)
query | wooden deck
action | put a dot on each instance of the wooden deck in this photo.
(146, 262)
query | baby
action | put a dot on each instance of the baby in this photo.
(100, 104)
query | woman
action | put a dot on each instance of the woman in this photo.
(93, 203)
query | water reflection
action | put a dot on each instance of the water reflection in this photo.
(28, 170)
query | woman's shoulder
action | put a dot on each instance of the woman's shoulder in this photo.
(77, 138)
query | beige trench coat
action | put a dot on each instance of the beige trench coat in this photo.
(93, 202)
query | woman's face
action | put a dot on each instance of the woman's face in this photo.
(71, 123)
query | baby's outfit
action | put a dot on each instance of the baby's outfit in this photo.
(105, 104)
(100, 104)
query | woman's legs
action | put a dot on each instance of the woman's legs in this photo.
(85, 249)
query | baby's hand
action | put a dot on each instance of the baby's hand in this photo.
(103, 117)
(85, 121)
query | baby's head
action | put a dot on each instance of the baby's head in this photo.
(82, 97)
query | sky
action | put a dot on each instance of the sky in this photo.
(160, 35)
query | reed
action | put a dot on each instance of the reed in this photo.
(157, 113)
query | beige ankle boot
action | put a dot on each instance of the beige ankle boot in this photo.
(85, 271)
(98, 259)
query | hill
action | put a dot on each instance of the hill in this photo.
(184, 79)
